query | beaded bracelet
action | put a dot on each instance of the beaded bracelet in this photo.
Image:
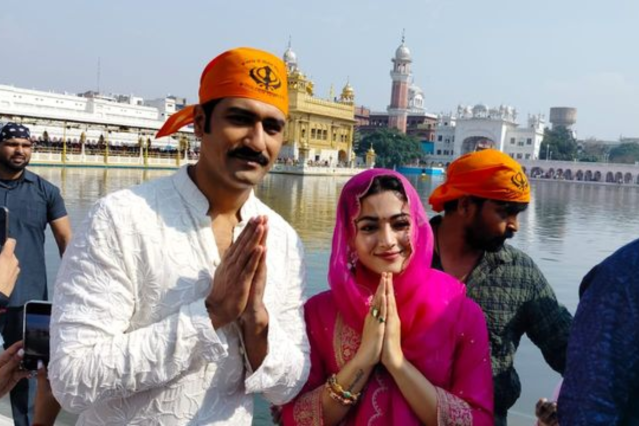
(336, 389)
(335, 397)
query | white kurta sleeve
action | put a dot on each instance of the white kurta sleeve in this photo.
(285, 368)
(95, 355)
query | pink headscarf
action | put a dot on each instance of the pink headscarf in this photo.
(422, 293)
(414, 287)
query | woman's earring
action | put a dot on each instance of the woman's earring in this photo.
(352, 262)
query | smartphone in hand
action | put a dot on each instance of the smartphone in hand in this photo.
(37, 316)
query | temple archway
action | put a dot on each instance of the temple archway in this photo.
(537, 172)
(477, 143)
(627, 178)
(568, 174)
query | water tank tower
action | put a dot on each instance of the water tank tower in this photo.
(563, 117)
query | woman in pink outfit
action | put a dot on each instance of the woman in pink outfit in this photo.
(393, 342)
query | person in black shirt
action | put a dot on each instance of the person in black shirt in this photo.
(33, 203)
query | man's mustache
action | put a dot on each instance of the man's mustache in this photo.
(246, 153)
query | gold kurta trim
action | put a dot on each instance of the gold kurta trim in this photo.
(346, 341)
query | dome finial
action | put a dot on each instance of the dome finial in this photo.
(348, 94)
(403, 52)
(289, 57)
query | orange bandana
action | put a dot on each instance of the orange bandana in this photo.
(487, 174)
(239, 73)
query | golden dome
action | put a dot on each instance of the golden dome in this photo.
(297, 75)
(348, 94)
(348, 90)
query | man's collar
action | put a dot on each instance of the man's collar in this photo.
(28, 176)
(197, 201)
(500, 257)
(189, 192)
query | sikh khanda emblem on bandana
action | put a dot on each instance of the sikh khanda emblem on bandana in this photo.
(243, 72)
(266, 77)
(520, 181)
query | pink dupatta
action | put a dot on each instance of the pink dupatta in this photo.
(438, 324)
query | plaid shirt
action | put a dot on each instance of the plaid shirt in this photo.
(516, 299)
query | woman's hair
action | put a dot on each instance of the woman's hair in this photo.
(385, 183)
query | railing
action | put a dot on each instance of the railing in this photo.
(115, 157)
(315, 170)
(115, 151)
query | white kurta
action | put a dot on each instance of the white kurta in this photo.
(131, 341)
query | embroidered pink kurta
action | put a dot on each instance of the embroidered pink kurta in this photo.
(444, 333)
(456, 361)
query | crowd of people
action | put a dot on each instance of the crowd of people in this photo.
(178, 299)
(288, 161)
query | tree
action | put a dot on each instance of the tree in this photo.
(561, 143)
(357, 139)
(625, 153)
(592, 150)
(392, 148)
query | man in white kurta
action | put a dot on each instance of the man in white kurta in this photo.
(137, 336)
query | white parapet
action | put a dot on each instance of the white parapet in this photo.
(305, 170)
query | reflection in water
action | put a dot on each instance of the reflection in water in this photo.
(568, 228)
(554, 211)
(308, 203)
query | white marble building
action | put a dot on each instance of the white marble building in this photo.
(123, 119)
(477, 127)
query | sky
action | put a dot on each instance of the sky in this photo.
(532, 55)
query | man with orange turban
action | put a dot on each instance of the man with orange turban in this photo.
(482, 196)
(181, 297)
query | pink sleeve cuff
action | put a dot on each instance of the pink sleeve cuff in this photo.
(307, 409)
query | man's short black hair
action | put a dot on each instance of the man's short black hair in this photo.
(208, 108)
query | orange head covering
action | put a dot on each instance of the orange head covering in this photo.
(243, 73)
(487, 174)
